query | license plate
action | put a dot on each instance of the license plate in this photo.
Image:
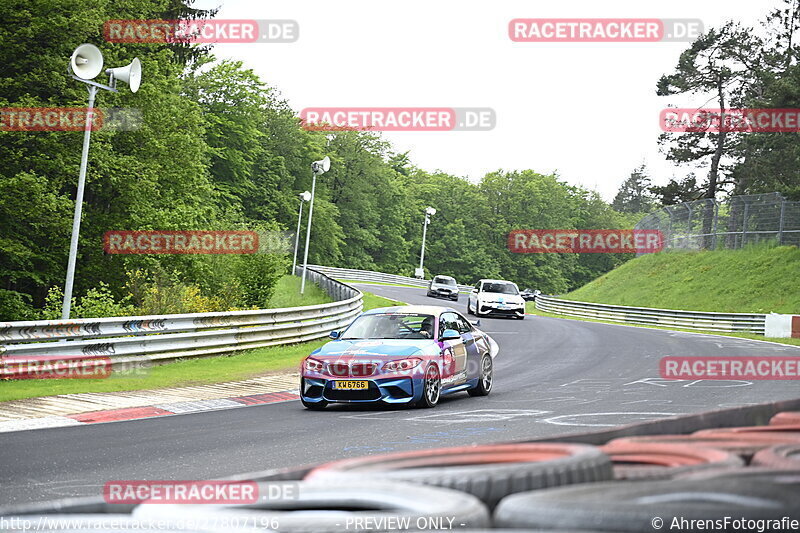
(351, 385)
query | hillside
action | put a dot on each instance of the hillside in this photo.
(760, 279)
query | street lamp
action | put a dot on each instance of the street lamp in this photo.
(429, 212)
(86, 63)
(304, 197)
(318, 168)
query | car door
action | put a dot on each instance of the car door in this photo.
(473, 297)
(454, 352)
(471, 346)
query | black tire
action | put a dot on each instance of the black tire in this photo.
(350, 500)
(489, 472)
(632, 507)
(314, 406)
(469, 312)
(432, 388)
(484, 381)
(477, 311)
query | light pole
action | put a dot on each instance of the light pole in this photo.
(429, 212)
(304, 197)
(318, 168)
(86, 63)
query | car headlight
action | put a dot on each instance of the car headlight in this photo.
(313, 365)
(402, 365)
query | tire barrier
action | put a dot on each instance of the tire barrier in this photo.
(657, 460)
(788, 431)
(328, 507)
(622, 506)
(785, 456)
(777, 476)
(487, 472)
(785, 418)
(745, 445)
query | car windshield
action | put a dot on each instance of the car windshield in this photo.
(502, 288)
(391, 326)
(444, 281)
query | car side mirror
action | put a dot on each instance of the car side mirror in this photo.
(334, 334)
(474, 289)
(449, 335)
(476, 323)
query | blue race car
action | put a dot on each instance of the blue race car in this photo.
(400, 355)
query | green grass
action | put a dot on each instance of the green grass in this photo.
(287, 294)
(245, 365)
(758, 279)
(372, 301)
(531, 309)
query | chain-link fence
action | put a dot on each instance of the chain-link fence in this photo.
(730, 224)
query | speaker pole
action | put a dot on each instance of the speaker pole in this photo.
(76, 221)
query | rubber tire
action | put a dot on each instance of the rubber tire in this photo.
(663, 460)
(623, 506)
(489, 472)
(468, 310)
(743, 445)
(481, 390)
(424, 402)
(316, 406)
(375, 498)
(784, 456)
(784, 418)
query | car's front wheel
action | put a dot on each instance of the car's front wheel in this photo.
(485, 379)
(431, 387)
(314, 406)
(469, 310)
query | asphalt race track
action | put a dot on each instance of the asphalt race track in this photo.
(553, 376)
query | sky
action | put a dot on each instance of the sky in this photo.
(586, 111)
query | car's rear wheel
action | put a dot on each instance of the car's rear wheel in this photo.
(431, 387)
(314, 406)
(485, 379)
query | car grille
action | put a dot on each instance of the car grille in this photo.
(362, 369)
(338, 369)
(354, 369)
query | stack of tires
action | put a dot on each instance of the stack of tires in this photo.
(725, 479)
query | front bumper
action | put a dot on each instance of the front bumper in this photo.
(497, 309)
(395, 390)
(443, 293)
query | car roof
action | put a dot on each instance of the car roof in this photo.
(435, 310)
(443, 276)
(497, 281)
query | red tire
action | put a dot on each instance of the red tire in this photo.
(784, 456)
(651, 461)
(489, 472)
(785, 418)
(789, 432)
(745, 445)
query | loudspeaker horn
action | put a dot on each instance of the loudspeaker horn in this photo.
(86, 61)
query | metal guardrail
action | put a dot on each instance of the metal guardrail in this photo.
(376, 277)
(128, 340)
(699, 320)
